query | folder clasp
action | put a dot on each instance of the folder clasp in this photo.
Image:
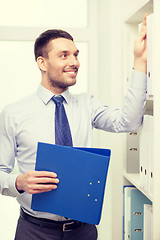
(66, 227)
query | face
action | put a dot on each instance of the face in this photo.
(61, 66)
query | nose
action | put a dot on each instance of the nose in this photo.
(74, 62)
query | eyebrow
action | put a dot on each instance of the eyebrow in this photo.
(66, 51)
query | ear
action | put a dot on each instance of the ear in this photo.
(41, 62)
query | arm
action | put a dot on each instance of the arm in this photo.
(7, 156)
(128, 118)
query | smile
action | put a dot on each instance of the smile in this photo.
(72, 72)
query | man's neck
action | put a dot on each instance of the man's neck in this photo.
(54, 90)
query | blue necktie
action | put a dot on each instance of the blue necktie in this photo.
(62, 129)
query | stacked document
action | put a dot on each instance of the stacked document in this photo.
(146, 154)
(148, 222)
(82, 173)
(150, 57)
(134, 221)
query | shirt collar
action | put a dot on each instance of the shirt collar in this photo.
(45, 95)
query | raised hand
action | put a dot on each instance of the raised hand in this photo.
(140, 49)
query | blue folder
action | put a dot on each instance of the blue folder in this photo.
(135, 213)
(82, 173)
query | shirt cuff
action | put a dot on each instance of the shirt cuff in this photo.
(138, 80)
(12, 185)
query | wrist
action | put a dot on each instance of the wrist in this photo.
(140, 65)
(18, 185)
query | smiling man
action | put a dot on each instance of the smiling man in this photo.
(38, 118)
(60, 66)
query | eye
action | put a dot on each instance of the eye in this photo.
(76, 55)
(64, 55)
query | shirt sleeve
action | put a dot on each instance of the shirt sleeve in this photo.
(7, 155)
(129, 117)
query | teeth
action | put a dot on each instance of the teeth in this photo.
(71, 72)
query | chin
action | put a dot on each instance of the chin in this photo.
(71, 83)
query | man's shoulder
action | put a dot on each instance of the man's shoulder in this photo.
(81, 97)
(23, 103)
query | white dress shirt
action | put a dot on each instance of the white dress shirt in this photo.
(25, 123)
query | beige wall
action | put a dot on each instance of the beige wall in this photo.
(111, 93)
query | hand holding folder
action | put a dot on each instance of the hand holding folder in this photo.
(82, 173)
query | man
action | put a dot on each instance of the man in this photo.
(31, 120)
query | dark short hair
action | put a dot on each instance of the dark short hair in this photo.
(40, 46)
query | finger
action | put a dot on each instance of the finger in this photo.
(45, 180)
(45, 174)
(40, 191)
(143, 30)
(144, 23)
(42, 180)
(44, 187)
(37, 191)
(39, 188)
